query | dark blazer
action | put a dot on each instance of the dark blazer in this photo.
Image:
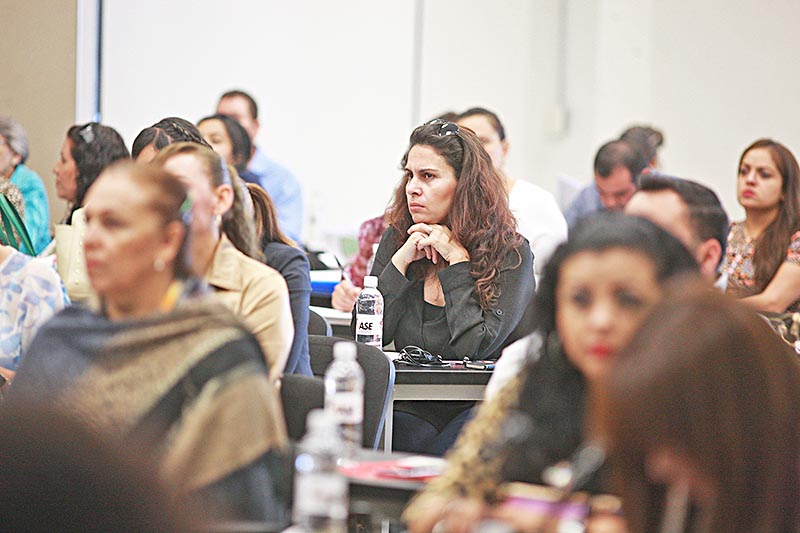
(465, 329)
(293, 266)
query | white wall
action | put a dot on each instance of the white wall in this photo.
(331, 80)
(335, 81)
(727, 73)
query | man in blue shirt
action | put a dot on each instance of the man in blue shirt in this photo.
(281, 185)
(616, 169)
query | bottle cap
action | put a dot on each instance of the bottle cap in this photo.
(370, 281)
(345, 351)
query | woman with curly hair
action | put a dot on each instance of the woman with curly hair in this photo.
(455, 275)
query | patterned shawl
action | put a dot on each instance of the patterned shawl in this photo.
(191, 383)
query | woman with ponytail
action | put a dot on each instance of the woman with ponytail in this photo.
(223, 249)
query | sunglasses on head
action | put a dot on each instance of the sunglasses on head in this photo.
(445, 128)
(87, 133)
(416, 356)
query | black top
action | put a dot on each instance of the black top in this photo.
(464, 328)
(292, 263)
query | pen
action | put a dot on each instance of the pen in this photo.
(345, 277)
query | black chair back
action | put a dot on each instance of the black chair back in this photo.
(378, 381)
(317, 325)
(299, 396)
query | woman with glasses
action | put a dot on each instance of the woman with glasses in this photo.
(595, 292)
(455, 275)
(224, 251)
(157, 363)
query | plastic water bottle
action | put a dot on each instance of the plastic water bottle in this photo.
(344, 395)
(320, 490)
(369, 314)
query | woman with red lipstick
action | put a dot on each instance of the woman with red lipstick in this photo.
(762, 261)
(455, 275)
(595, 292)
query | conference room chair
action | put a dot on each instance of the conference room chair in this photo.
(317, 325)
(378, 381)
(299, 396)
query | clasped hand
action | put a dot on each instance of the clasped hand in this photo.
(433, 241)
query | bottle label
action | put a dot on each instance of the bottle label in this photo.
(320, 494)
(369, 329)
(348, 407)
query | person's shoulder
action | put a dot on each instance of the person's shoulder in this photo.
(376, 222)
(43, 268)
(256, 270)
(527, 188)
(736, 231)
(279, 256)
(516, 354)
(794, 242)
(71, 320)
(26, 177)
(232, 269)
(587, 200)
(269, 166)
(518, 256)
(39, 271)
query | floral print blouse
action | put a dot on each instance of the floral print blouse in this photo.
(31, 293)
(738, 263)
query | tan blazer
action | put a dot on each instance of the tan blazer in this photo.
(257, 294)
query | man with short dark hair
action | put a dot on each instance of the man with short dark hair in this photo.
(617, 166)
(281, 185)
(689, 211)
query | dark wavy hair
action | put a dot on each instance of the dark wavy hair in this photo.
(479, 216)
(770, 248)
(240, 140)
(554, 392)
(237, 222)
(165, 132)
(93, 147)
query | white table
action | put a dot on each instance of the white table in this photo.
(414, 383)
(333, 316)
